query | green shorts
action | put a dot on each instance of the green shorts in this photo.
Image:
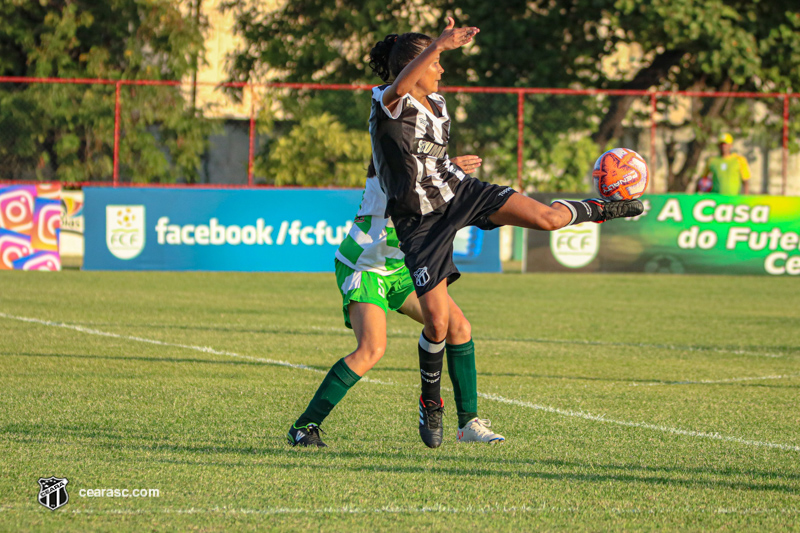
(387, 292)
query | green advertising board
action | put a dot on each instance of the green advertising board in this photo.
(704, 233)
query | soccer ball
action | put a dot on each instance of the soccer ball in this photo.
(620, 174)
(705, 184)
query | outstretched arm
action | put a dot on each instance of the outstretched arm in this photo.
(450, 39)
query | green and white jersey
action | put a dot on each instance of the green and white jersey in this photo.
(371, 245)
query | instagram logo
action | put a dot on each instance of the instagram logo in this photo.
(46, 221)
(16, 209)
(51, 191)
(13, 246)
(39, 261)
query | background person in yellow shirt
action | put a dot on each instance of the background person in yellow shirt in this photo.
(727, 173)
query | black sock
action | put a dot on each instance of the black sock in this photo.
(431, 356)
(583, 211)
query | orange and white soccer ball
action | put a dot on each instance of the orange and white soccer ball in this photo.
(620, 174)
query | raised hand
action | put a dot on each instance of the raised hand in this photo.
(452, 37)
(467, 163)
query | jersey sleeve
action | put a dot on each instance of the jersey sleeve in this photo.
(377, 95)
(744, 168)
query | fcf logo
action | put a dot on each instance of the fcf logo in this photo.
(576, 246)
(53, 492)
(125, 230)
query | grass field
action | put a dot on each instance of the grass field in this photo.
(640, 402)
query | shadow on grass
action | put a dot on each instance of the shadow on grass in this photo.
(316, 367)
(231, 362)
(531, 375)
(341, 331)
(377, 461)
(764, 385)
(378, 368)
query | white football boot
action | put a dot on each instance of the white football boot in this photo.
(477, 430)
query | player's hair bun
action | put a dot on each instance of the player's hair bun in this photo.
(379, 57)
(390, 56)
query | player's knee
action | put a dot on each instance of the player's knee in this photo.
(436, 328)
(370, 353)
(460, 331)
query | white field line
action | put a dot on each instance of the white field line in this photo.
(583, 342)
(712, 381)
(391, 510)
(492, 397)
(469, 509)
(626, 423)
(204, 349)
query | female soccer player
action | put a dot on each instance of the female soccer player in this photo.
(373, 279)
(429, 198)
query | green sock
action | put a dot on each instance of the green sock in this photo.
(330, 392)
(461, 367)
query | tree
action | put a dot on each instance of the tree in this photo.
(319, 150)
(686, 45)
(731, 45)
(66, 132)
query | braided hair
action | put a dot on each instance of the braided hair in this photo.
(390, 56)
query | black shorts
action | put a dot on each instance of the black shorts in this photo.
(427, 241)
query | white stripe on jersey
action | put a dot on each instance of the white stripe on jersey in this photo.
(433, 166)
(444, 188)
(373, 201)
(422, 169)
(397, 108)
(353, 281)
(375, 247)
(376, 250)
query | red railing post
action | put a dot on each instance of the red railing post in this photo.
(785, 145)
(252, 149)
(115, 177)
(520, 133)
(521, 93)
(652, 136)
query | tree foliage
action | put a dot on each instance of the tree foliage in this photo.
(66, 131)
(318, 151)
(705, 45)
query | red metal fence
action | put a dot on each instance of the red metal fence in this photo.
(659, 124)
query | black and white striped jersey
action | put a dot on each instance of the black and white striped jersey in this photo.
(409, 150)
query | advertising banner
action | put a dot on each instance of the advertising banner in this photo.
(266, 230)
(705, 233)
(70, 243)
(30, 220)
